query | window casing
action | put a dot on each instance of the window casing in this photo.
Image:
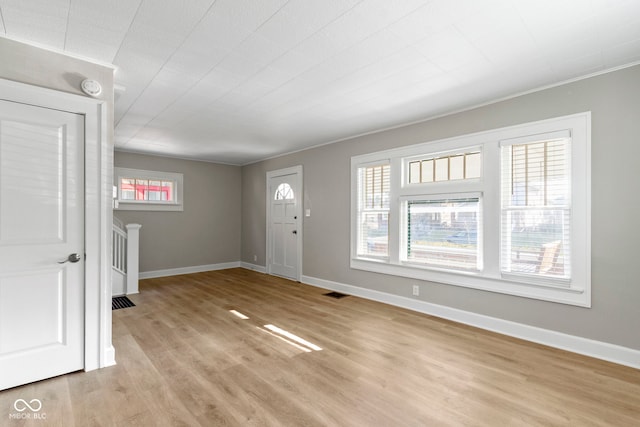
(148, 190)
(518, 222)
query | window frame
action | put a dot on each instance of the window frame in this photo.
(149, 205)
(574, 291)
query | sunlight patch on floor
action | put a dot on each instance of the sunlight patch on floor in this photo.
(293, 337)
(238, 314)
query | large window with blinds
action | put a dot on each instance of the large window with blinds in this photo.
(506, 210)
(444, 233)
(536, 206)
(373, 210)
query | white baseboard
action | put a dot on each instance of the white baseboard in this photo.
(254, 267)
(187, 270)
(598, 349)
(109, 357)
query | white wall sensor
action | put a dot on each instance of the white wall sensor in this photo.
(91, 87)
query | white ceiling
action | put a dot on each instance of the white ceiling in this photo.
(236, 81)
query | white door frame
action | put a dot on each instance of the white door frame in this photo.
(280, 172)
(98, 170)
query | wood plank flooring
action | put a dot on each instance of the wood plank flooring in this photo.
(185, 360)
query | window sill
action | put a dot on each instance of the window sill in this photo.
(562, 294)
(129, 206)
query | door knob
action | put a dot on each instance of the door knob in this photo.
(71, 258)
(295, 231)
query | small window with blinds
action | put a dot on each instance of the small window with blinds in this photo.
(444, 233)
(536, 206)
(373, 211)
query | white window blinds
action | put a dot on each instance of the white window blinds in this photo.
(536, 206)
(373, 210)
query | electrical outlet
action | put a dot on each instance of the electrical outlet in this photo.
(255, 257)
(416, 290)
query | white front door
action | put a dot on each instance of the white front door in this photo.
(41, 225)
(284, 238)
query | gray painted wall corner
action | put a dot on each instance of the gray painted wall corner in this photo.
(208, 231)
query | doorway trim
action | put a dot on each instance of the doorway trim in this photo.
(98, 171)
(297, 170)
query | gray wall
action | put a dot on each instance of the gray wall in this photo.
(206, 232)
(613, 99)
(27, 64)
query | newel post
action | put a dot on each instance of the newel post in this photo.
(133, 244)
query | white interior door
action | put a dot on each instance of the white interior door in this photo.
(41, 225)
(284, 225)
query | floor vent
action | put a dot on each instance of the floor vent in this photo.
(121, 302)
(336, 295)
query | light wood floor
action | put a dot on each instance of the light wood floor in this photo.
(185, 359)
